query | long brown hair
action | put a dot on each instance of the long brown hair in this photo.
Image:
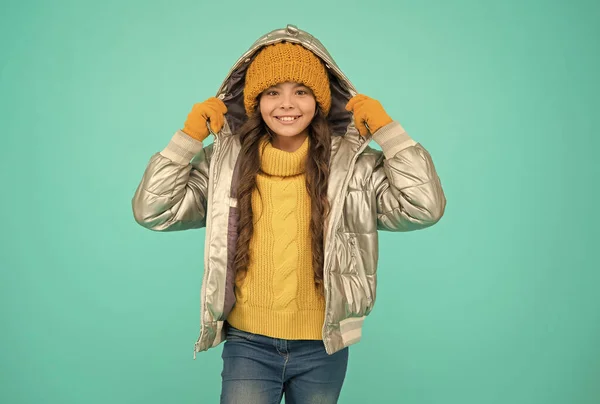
(317, 175)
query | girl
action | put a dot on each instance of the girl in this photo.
(292, 197)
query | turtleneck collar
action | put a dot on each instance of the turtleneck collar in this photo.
(282, 163)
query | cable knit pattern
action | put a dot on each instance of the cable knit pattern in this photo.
(278, 297)
(285, 248)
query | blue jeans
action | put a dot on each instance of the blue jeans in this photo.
(260, 370)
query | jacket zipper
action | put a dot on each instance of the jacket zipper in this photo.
(214, 157)
(333, 230)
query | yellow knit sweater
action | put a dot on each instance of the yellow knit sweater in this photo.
(278, 298)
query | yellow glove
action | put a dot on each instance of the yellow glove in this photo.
(367, 110)
(213, 110)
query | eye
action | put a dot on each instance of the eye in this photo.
(302, 92)
(271, 92)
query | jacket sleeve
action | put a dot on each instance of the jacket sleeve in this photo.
(408, 191)
(172, 194)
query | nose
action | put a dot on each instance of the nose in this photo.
(286, 101)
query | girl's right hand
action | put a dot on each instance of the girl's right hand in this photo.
(212, 110)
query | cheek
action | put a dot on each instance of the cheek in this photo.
(263, 110)
(311, 107)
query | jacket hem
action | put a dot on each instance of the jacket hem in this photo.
(203, 343)
(351, 330)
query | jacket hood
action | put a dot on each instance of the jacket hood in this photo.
(231, 91)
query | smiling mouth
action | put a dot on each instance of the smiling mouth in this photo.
(287, 118)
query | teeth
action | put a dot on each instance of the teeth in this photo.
(287, 118)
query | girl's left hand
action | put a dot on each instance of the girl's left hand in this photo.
(367, 110)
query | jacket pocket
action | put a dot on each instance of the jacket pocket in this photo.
(361, 272)
(356, 287)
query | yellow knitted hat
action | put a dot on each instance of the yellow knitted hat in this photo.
(285, 61)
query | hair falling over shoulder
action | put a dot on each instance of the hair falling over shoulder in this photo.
(317, 174)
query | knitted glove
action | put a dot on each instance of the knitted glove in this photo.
(213, 110)
(367, 110)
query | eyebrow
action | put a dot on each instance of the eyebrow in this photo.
(296, 86)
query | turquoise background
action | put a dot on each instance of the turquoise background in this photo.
(498, 303)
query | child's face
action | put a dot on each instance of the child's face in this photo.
(288, 108)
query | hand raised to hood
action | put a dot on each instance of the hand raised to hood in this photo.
(367, 110)
(211, 110)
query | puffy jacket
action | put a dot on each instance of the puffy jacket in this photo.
(188, 186)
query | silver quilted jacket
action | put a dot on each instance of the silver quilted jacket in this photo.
(189, 185)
